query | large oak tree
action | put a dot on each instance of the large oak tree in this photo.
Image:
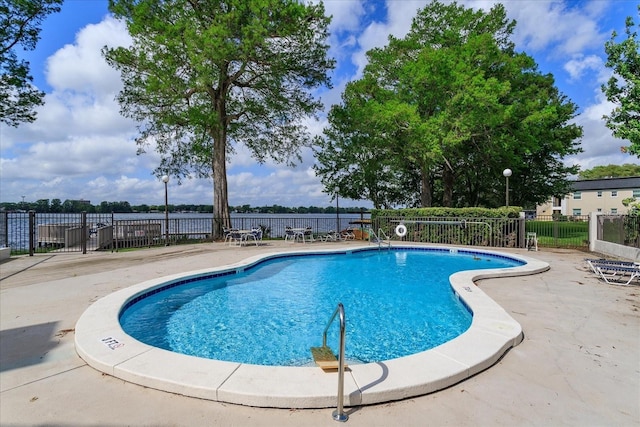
(446, 109)
(204, 75)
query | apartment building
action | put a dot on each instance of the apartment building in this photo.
(594, 195)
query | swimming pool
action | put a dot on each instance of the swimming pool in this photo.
(102, 343)
(399, 302)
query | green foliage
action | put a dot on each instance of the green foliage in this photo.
(443, 212)
(611, 171)
(624, 59)
(463, 226)
(439, 114)
(20, 22)
(202, 76)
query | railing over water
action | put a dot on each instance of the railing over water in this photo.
(30, 232)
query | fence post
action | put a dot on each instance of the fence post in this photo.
(83, 231)
(593, 230)
(5, 228)
(32, 232)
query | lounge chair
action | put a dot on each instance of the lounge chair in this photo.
(593, 262)
(347, 234)
(331, 236)
(617, 274)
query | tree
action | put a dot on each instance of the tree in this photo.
(354, 161)
(20, 22)
(204, 75)
(624, 59)
(611, 171)
(439, 114)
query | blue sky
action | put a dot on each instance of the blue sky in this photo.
(81, 148)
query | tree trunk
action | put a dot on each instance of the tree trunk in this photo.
(447, 184)
(425, 188)
(221, 214)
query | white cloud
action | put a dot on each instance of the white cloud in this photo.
(80, 67)
(544, 25)
(346, 14)
(579, 64)
(598, 144)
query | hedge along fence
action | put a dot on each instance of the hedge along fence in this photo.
(501, 227)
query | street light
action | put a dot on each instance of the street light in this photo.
(337, 215)
(507, 174)
(165, 179)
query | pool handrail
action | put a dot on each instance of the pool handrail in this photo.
(378, 237)
(338, 414)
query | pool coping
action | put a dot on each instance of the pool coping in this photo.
(102, 343)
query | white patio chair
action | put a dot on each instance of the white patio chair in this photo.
(255, 235)
(289, 234)
(307, 235)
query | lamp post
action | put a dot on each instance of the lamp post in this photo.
(337, 215)
(165, 179)
(507, 174)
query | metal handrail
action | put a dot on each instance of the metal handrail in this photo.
(381, 232)
(377, 237)
(338, 414)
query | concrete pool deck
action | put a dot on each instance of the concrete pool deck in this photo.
(579, 362)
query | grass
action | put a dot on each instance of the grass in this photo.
(560, 233)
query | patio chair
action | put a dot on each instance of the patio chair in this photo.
(255, 235)
(227, 233)
(307, 235)
(616, 274)
(289, 234)
(235, 237)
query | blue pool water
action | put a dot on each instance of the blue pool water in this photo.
(397, 302)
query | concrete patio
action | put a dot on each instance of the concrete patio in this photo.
(579, 363)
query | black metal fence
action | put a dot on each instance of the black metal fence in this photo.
(495, 232)
(561, 232)
(30, 232)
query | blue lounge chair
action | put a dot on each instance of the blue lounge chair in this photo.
(593, 262)
(617, 274)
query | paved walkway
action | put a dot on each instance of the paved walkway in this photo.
(579, 363)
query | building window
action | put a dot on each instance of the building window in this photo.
(614, 193)
(577, 195)
(599, 193)
(599, 209)
(614, 210)
(577, 211)
(636, 193)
